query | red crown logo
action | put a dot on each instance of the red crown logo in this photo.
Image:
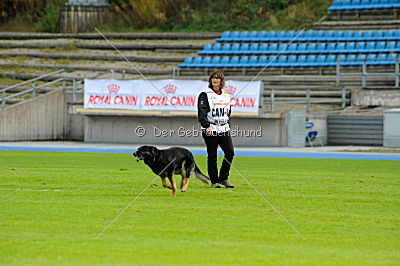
(113, 88)
(170, 88)
(230, 89)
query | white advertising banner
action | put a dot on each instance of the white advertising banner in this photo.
(245, 95)
(168, 95)
(178, 95)
(114, 94)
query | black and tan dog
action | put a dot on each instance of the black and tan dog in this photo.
(170, 162)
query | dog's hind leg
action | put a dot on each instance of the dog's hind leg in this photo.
(173, 184)
(185, 180)
(164, 183)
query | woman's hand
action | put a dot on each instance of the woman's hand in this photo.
(209, 131)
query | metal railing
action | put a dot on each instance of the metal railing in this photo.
(34, 88)
(308, 100)
(364, 73)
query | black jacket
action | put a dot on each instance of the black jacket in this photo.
(203, 107)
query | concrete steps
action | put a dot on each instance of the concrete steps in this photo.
(357, 25)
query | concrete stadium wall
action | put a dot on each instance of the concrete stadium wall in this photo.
(45, 117)
(40, 118)
(180, 130)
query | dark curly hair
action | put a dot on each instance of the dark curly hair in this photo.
(217, 74)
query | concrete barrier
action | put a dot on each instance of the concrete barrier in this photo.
(154, 128)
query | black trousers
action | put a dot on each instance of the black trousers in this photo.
(225, 142)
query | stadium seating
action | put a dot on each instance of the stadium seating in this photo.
(290, 61)
(320, 48)
(312, 36)
(339, 5)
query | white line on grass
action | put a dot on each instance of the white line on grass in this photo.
(31, 189)
(133, 66)
(262, 196)
(132, 201)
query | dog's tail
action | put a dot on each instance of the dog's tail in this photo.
(199, 175)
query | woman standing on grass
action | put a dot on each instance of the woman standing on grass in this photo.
(214, 110)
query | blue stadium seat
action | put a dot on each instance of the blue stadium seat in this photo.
(348, 35)
(350, 60)
(358, 35)
(319, 35)
(281, 35)
(329, 35)
(225, 61)
(273, 47)
(271, 35)
(368, 35)
(360, 47)
(196, 62)
(244, 48)
(336, 4)
(235, 36)
(340, 58)
(187, 62)
(282, 47)
(331, 60)
(253, 36)
(397, 47)
(309, 35)
(381, 59)
(244, 36)
(302, 47)
(350, 46)
(340, 47)
(378, 35)
(262, 35)
(281, 61)
(301, 60)
(321, 47)
(253, 61)
(371, 58)
(338, 35)
(331, 47)
(292, 48)
(389, 35)
(206, 62)
(311, 47)
(263, 48)
(254, 48)
(226, 48)
(370, 47)
(243, 61)
(361, 58)
(215, 61)
(391, 59)
(216, 48)
(226, 35)
(235, 48)
(206, 49)
(311, 60)
(234, 62)
(292, 60)
(380, 47)
(262, 61)
(321, 60)
(290, 35)
(390, 46)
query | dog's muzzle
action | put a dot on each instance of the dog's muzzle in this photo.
(138, 157)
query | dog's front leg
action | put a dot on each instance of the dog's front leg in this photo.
(164, 183)
(173, 184)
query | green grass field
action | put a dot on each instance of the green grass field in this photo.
(348, 210)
